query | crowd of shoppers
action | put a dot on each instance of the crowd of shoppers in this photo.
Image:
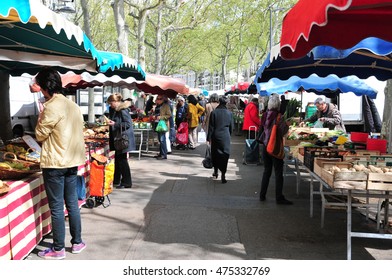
(212, 116)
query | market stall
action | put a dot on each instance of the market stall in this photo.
(24, 210)
(24, 217)
(360, 178)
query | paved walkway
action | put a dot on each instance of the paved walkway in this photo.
(176, 210)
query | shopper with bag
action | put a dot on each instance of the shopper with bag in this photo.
(274, 128)
(121, 139)
(220, 127)
(162, 114)
(195, 111)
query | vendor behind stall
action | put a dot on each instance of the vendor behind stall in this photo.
(328, 114)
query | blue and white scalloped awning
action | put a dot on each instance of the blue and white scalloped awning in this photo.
(370, 57)
(329, 86)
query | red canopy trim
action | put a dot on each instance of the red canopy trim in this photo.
(337, 23)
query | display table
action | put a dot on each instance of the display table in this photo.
(25, 214)
(24, 217)
(325, 189)
(146, 136)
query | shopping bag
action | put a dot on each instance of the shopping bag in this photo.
(161, 126)
(201, 136)
(207, 161)
(275, 145)
(121, 140)
(81, 187)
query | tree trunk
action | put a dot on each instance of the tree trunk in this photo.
(158, 40)
(87, 30)
(5, 112)
(86, 18)
(141, 48)
(121, 26)
(224, 71)
(122, 35)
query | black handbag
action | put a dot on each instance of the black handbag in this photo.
(121, 140)
(207, 161)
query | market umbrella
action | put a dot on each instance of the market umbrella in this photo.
(337, 23)
(329, 86)
(238, 88)
(370, 57)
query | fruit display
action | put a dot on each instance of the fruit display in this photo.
(12, 168)
(14, 165)
(15, 149)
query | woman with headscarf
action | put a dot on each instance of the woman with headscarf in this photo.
(267, 122)
(220, 128)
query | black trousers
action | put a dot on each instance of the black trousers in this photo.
(270, 163)
(122, 172)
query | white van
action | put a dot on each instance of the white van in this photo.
(23, 106)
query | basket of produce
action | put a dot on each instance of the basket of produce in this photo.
(13, 169)
(30, 155)
(4, 187)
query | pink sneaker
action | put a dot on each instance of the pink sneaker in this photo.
(77, 248)
(51, 254)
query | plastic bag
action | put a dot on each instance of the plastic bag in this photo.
(161, 126)
(318, 124)
(201, 136)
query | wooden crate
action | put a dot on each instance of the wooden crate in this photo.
(355, 158)
(378, 163)
(379, 181)
(320, 162)
(344, 180)
(300, 158)
(365, 153)
(324, 152)
(291, 143)
(385, 160)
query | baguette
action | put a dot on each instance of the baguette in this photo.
(106, 119)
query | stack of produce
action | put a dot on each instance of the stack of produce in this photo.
(12, 168)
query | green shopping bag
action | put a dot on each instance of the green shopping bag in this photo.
(161, 127)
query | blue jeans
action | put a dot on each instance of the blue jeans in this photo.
(162, 142)
(60, 187)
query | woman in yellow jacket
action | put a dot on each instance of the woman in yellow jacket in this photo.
(195, 111)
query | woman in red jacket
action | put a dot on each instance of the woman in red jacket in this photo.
(251, 117)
